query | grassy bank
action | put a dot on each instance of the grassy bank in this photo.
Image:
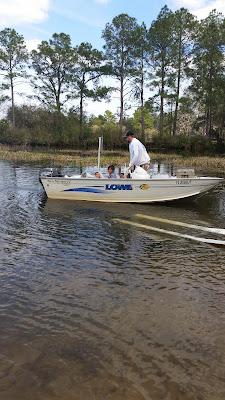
(76, 157)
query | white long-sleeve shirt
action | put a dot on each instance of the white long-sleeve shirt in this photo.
(138, 153)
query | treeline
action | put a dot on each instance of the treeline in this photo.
(177, 63)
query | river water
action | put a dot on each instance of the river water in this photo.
(93, 310)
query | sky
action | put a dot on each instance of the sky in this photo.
(84, 20)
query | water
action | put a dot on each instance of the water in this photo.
(93, 310)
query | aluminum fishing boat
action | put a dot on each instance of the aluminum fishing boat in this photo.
(155, 188)
(140, 187)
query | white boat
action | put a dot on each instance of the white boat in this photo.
(156, 188)
(141, 187)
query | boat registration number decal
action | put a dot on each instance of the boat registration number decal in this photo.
(65, 182)
(118, 187)
(183, 181)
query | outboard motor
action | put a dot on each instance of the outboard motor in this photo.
(50, 172)
(55, 172)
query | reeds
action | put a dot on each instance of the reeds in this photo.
(200, 163)
(65, 157)
(62, 157)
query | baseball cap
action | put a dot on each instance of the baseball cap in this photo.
(129, 133)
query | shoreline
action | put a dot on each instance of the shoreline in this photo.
(67, 157)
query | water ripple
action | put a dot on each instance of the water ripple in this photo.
(94, 310)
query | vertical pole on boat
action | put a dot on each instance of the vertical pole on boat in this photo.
(99, 151)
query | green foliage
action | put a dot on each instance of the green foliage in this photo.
(179, 58)
(119, 39)
(208, 79)
(4, 129)
(37, 126)
(142, 49)
(87, 77)
(106, 126)
(136, 120)
(108, 119)
(119, 47)
(161, 54)
(184, 26)
(189, 145)
(13, 58)
(53, 63)
(13, 54)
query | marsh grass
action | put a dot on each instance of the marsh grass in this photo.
(68, 157)
(200, 163)
(62, 157)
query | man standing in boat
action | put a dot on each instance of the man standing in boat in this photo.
(138, 153)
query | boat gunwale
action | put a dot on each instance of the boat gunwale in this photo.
(132, 180)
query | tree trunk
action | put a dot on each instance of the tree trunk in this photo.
(81, 111)
(207, 122)
(58, 107)
(81, 118)
(161, 118)
(122, 90)
(178, 86)
(142, 102)
(12, 94)
(209, 101)
(171, 118)
(13, 104)
(58, 92)
(121, 104)
(210, 98)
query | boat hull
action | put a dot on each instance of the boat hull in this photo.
(126, 190)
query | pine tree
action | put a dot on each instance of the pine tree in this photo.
(119, 48)
(184, 26)
(141, 65)
(53, 63)
(161, 42)
(13, 62)
(90, 67)
(208, 68)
